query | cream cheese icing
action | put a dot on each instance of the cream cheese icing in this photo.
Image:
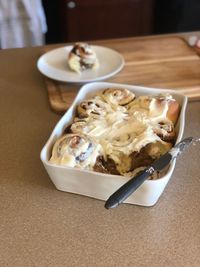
(75, 151)
(120, 130)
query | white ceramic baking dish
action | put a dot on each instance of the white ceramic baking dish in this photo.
(99, 185)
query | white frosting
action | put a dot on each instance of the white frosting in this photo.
(158, 112)
(118, 96)
(85, 54)
(151, 107)
(119, 131)
(80, 155)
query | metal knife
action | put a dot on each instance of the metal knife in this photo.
(128, 188)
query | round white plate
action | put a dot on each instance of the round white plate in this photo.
(54, 65)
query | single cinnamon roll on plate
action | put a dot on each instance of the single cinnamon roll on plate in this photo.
(82, 57)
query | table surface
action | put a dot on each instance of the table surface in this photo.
(41, 226)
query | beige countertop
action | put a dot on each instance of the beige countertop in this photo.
(41, 226)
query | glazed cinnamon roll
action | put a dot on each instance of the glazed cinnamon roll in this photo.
(76, 150)
(165, 130)
(80, 125)
(94, 107)
(157, 108)
(122, 140)
(164, 106)
(82, 57)
(139, 103)
(118, 96)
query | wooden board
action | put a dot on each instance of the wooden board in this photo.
(164, 62)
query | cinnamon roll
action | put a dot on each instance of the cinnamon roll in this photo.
(80, 125)
(93, 107)
(157, 149)
(173, 110)
(164, 106)
(165, 130)
(118, 96)
(82, 57)
(157, 108)
(76, 150)
(122, 140)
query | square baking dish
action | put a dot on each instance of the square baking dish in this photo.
(100, 185)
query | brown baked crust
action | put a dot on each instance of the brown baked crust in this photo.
(106, 166)
(68, 129)
(166, 131)
(140, 159)
(99, 165)
(173, 111)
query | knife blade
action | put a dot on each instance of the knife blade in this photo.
(129, 187)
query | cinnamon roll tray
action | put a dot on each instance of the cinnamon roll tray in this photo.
(101, 185)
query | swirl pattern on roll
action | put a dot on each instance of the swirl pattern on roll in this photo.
(76, 150)
(165, 130)
(118, 96)
(93, 107)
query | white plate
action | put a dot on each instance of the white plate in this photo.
(54, 65)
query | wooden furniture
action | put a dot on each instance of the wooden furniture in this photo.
(102, 19)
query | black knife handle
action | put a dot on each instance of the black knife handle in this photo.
(128, 188)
